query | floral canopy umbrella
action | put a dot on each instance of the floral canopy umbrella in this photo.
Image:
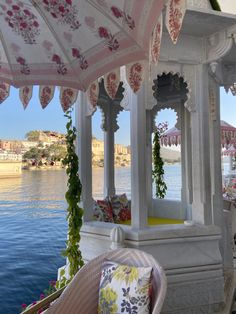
(228, 135)
(231, 151)
(73, 42)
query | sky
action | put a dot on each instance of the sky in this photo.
(15, 122)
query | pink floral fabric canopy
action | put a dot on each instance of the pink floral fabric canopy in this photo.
(228, 135)
(231, 151)
(132, 76)
(73, 42)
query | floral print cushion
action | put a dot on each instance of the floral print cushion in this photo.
(103, 211)
(124, 214)
(120, 208)
(124, 289)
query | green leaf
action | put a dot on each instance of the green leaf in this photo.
(215, 5)
(158, 170)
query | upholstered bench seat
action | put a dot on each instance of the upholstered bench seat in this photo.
(153, 221)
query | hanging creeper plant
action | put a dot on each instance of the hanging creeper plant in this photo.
(73, 194)
(158, 170)
(215, 5)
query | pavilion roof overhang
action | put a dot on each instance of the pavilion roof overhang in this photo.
(204, 23)
(219, 30)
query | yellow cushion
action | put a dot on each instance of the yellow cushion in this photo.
(153, 221)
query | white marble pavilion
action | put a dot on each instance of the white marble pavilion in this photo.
(197, 256)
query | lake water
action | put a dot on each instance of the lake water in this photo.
(33, 229)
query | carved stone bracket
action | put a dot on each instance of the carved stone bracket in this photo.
(219, 44)
(110, 113)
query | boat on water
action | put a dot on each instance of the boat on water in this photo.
(10, 165)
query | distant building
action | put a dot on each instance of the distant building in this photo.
(122, 156)
(5, 145)
(26, 145)
(121, 149)
(10, 156)
(11, 146)
(51, 137)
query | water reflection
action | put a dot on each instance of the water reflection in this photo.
(122, 181)
(172, 178)
(10, 185)
(97, 182)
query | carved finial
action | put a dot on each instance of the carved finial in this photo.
(117, 237)
(213, 66)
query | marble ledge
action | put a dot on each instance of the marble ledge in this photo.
(162, 233)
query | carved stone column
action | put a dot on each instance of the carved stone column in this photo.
(110, 112)
(138, 160)
(149, 130)
(201, 207)
(84, 146)
(220, 217)
(186, 163)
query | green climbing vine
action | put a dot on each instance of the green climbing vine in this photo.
(215, 5)
(73, 194)
(158, 170)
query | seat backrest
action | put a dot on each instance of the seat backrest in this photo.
(81, 296)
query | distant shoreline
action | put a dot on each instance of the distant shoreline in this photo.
(37, 168)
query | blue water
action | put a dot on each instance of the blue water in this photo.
(33, 229)
(32, 235)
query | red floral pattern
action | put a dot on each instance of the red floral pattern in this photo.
(64, 11)
(54, 57)
(25, 95)
(174, 18)
(67, 97)
(111, 82)
(101, 31)
(82, 61)
(103, 211)
(92, 93)
(135, 76)
(111, 41)
(45, 95)
(118, 13)
(24, 66)
(156, 41)
(21, 20)
(4, 91)
(125, 214)
(61, 68)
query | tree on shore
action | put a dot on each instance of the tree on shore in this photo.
(32, 136)
(57, 152)
(34, 153)
(54, 152)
